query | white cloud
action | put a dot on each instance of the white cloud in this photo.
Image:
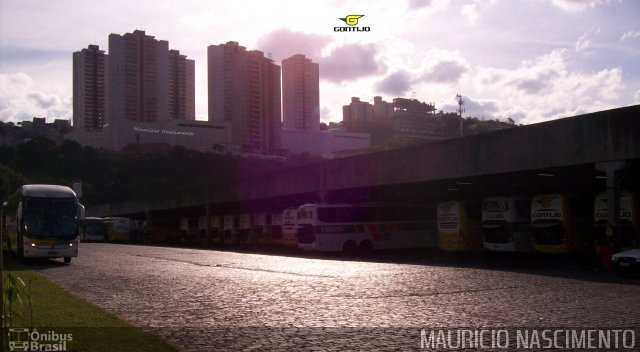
(19, 101)
(470, 11)
(547, 88)
(583, 43)
(630, 35)
(636, 97)
(579, 5)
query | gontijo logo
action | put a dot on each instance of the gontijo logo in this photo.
(352, 22)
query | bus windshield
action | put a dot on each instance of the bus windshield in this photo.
(51, 217)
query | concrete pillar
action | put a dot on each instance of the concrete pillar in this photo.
(148, 227)
(611, 169)
(207, 217)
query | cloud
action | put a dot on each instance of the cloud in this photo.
(630, 35)
(583, 43)
(475, 108)
(44, 101)
(547, 88)
(396, 84)
(470, 11)
(534, 85)
(427, 4)
(36, 55)
(418, 4)
(18, 101)
(444, 72)
(636, 97)
(283, 43)
(349, 62)
(578, 5)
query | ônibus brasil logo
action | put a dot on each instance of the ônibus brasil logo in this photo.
(352, 23)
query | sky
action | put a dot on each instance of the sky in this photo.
(531, 61)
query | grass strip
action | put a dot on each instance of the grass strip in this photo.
(55, 309)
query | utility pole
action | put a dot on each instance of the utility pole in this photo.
(460, 110)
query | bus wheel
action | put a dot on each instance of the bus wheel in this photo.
(349, 247)
(365, 247)
(67, 260)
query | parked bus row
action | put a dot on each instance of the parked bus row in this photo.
(112, 229)
(546, 223)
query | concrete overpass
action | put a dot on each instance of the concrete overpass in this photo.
(577, 151)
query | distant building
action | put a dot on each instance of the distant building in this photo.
(407, 119)
(413, 119)
(89, 95)
(357, 111)
(300, 94)
(13, 134)
(244, 90)
(382, 110)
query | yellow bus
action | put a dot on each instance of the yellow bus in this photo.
(560, 224)
(118, 229)
(459, 227)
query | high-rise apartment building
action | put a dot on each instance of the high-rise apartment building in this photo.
(182, 94)
(300, 94)
(148, 83)
(89, 89)
(244, 89)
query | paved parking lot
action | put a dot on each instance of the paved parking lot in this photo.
(203, 300)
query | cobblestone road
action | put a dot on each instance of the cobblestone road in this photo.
(203, 300)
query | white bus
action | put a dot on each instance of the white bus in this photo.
(342, 227)
(43, 221)
(506, 224)
(629, 227)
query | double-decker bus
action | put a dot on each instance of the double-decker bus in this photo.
(560, 224)
(43, 221)
(342, 227)
(629, 227)
(459, 227)
(506, 224)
